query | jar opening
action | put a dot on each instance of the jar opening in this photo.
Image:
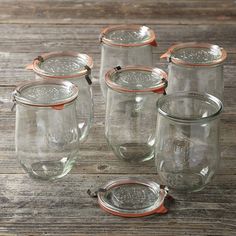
(196, 54)
(128, 35)
(62, 65)
(189, 106)
(136, 79)
(45, 93)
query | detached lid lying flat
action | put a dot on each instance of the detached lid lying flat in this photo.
(62, 65)
(132, 197)
(136, 79)
(128, 36)
(195, 54)
(46, 93)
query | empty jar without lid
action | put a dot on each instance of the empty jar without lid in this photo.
(130, 112)
(46, 136)
(196, 67)
(76, 68)
(187, 140)
(125, 45)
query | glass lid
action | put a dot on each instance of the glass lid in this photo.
(195, 54)
(62, 65)
(46, 93)
(136, 79)
(128, 36)
(132, 197)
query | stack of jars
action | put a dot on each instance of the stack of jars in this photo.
(174, 117)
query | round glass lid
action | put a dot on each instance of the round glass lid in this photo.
(196, 54)
(62, 64)
(136, 79)
(132, 197)
(46, 93)
(128, 35)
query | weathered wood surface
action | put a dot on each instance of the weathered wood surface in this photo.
(29, 28)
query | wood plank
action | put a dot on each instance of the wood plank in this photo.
(64, 207)
(94, 12)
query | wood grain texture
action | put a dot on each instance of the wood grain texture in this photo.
(31, 27)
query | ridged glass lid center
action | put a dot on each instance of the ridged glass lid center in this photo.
(131, 197)
(128, 36)
(63, 65)
(198, 55)
(136, 79)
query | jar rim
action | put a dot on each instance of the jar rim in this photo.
(151, 40)
(40, 59)
(191, 94)
(159, 88)
(173, 49)
(20, 99)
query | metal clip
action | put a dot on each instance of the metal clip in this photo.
(39, 58)
(95, 194)
(117, 68)
(101, 37)
(14, 99)
(87, 76)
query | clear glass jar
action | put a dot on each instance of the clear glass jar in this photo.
(130, 110)
(46, 136)
(196, 67)
(76, 68)
(125, 45)
(187, 145)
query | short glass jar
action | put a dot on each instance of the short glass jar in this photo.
(187, 140)
(76, 68)
(46, 136)
(125, 45)
(130, 110)
(196, 67)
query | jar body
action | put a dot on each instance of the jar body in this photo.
(112, 56)
(46, 140)
(203, 79)
(130, 124)
(84, 106)
(187, 153)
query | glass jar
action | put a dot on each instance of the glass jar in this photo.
(196, 67)
(125, 45)
(187, 145)
(130, 110)
(76, 68)
(46, 136)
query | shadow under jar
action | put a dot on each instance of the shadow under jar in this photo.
(46, 136)
(187, 144)
(76, 68)
(125, 45)
(196, 67)
(130, 110)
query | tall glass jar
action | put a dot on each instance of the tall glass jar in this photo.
(76, 68)
(46, 136)
(187, 140)
(125, 45)
(130, 110)
(196, 67)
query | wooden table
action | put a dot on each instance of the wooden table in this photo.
(30, 27)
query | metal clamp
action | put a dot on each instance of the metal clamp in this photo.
(117, 68)
(14, 93)
(39, 58)
(101, 36)
(95, 194)
(87, 76)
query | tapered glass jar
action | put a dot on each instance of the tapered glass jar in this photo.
(130, 110)
(76, 68)
(46, 136)
(187, 140)
(196, 67)
(125, 45)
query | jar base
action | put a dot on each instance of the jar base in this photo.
(49, 170)
(134, 152)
